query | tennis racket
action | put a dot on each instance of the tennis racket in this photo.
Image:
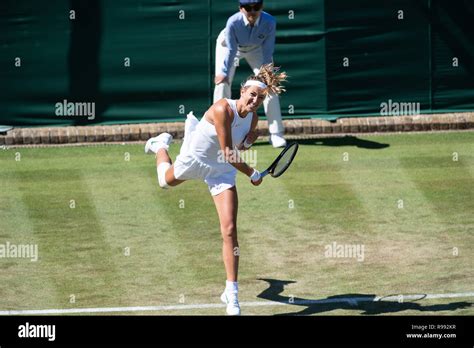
(282, 162)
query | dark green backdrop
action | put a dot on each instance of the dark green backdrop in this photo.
(426, 57)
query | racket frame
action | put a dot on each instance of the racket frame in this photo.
(272, 166)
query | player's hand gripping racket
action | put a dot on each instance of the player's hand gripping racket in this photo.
(282, 162)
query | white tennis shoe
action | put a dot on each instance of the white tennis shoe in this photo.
(277, 140)
(232, 302)
(161, 141)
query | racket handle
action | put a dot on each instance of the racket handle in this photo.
(264, 173)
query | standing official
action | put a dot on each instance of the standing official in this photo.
(249, 34)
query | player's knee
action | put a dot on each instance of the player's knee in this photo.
(229, 231)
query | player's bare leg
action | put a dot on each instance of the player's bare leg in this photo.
(227, 205)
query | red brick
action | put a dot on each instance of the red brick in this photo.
(306, 126)
(27, 135)
(172, 128)
(45, 136)
(373, 124)
(90, 134)
(100, 133)
(316, 126)
(355, 124)
(36, 136)
(417, 126)
(397, 123)
(62, 135)
(425, 122)
(296, 126)
(435, 123)
(81, 135)
(390, 122)
(452, 121)
(336, 126)
(71, 134)
(145, 131)
(326, 127)
(9, 140)
(444, 122)
(179, 130)
(407, 123)
(54, 135)
(381, 124)
(464, 120)
(125, 129)
(155, 129)
(262, 128)
(134, 132)
(108, 134)
(470, 120)
(363, 124)
(345, 125)
(117, 133)
(17, 136)
(288, 127)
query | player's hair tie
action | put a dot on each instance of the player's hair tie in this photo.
(255, 83)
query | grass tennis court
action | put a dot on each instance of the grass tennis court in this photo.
(108, 236)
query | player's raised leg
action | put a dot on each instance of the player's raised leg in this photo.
(159, 145)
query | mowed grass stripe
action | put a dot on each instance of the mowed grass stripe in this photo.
(295, 246)
(452, 201)
(75, 255)
(119, 202)
(265, 225)
(17, 275)
(451, 196)
(341, 214)
(402, 245)
(417, 235)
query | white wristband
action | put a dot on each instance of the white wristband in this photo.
(255, 175)
(247, 145)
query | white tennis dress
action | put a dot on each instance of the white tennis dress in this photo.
(200, 156)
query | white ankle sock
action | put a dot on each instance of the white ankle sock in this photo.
(231, 287)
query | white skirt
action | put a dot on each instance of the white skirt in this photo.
(188, 167)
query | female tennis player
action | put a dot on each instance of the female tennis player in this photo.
(210, 152)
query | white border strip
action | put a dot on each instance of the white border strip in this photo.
(350, 300)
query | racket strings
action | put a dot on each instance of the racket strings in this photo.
(285, 161)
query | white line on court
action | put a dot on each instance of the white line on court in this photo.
(350, 300)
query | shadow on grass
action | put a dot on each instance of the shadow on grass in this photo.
(356, 302)
(347, 140)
